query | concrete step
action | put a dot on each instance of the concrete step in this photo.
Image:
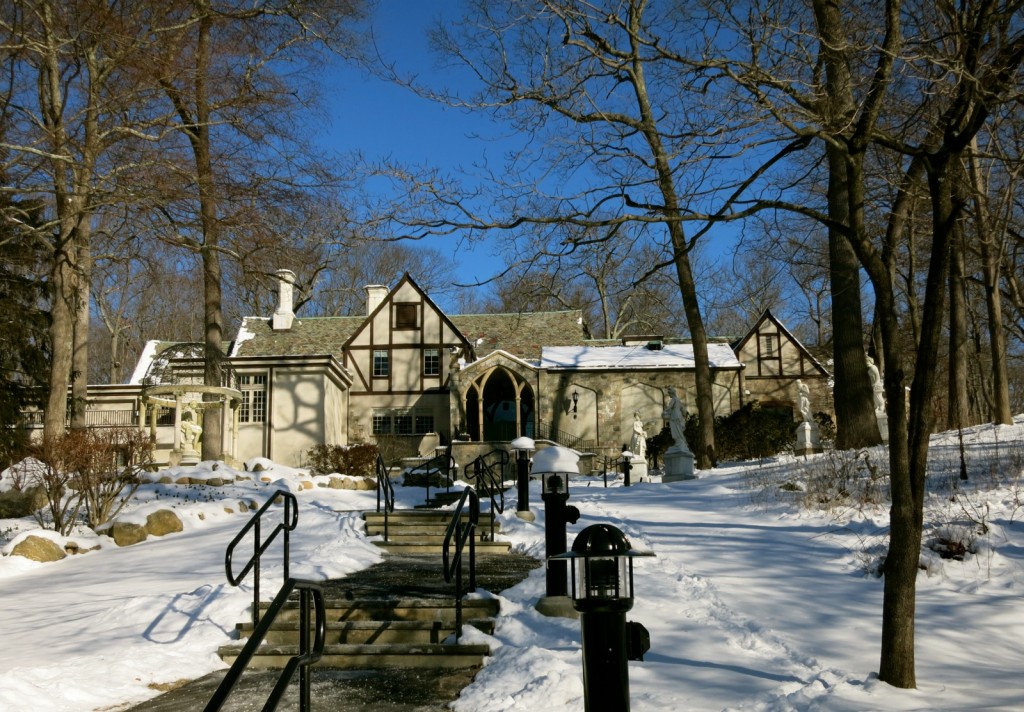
(369, 657)
(396, 609)
(409, 526)
(487, 547)
(414, 632)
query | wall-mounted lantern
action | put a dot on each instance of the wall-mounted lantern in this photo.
(602, 592)
(575, 401)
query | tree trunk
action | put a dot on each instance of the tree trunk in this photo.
(80, 356)
(990, 267)
(957, 409)
(61, 337)
(856, 424)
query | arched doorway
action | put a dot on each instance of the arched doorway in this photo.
(500, 406)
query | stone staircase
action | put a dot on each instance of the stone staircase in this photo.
(421, 531)
(399, 613)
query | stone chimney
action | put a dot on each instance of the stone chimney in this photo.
(375, 294)
(283, 317)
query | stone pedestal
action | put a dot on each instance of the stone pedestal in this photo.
(808, 440)
(556, 607)
(638, 470)
(189, 456)
(883, 425)
(678, 465)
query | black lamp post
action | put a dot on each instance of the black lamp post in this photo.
(627, 465)
(554, 466)
(602, 592)
(522, 447)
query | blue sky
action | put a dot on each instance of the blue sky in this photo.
(381, 119)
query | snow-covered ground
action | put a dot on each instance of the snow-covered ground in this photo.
(753, 601)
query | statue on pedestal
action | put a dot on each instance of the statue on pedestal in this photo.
(638, 443)
(876, 386)
(676, 417)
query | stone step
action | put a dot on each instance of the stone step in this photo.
(409, 527)
(354, 632)
(423, 549)
(418, 516)
(369, 657)
(395, 609)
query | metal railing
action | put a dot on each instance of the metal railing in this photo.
(488, 474)
(385, 492)
(546, 432)
(441, 463)
(460, 534)
(290, 520)
(311, 595)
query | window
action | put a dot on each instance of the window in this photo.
(254, 399)
(380, 364)
(402, 421)
(381, 422)
(424, 422)
(432, 362)
(769, 345)
(406, 316)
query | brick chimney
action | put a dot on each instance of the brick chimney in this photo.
(283, 316)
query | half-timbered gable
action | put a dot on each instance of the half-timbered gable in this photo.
(399, 358)
(774, 360)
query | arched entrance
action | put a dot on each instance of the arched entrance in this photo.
(500, 406)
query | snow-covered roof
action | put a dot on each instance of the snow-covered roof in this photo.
(633, 357)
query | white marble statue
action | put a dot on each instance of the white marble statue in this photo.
(638, 444)
(190, 428)
(876, 386)
(804, 400)
(676, 417)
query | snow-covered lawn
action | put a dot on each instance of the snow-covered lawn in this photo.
(752, 601)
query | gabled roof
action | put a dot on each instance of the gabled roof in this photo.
(307, 336)
(767, 315)
(522, 335)
(638, 356)
(387, 300)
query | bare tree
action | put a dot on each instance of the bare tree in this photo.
(219, 64)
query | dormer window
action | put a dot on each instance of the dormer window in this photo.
(407, 316)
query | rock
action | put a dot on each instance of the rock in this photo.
(73, 547)
(215, 482)
(38, 548)
(163, 521)
(166, 480)
(366, 483)
(336, 483)
(228, 510)
(15, 504)
(125, 534)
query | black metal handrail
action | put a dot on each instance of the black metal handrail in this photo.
(291, 519)
(490, 483)
(461, 533)
(546, 432)
(385, 492)
(441, 463)
(309, 653)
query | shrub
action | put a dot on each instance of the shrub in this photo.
(95, 471)
(753, 432)
(358, 460)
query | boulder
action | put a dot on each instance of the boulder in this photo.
(15, 504)
(38, 548)
(163, 521)
(125, 534)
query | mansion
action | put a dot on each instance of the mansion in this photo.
(406, 372)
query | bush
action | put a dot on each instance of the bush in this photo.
(358, 460)
(751, 432)
(91, 470)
